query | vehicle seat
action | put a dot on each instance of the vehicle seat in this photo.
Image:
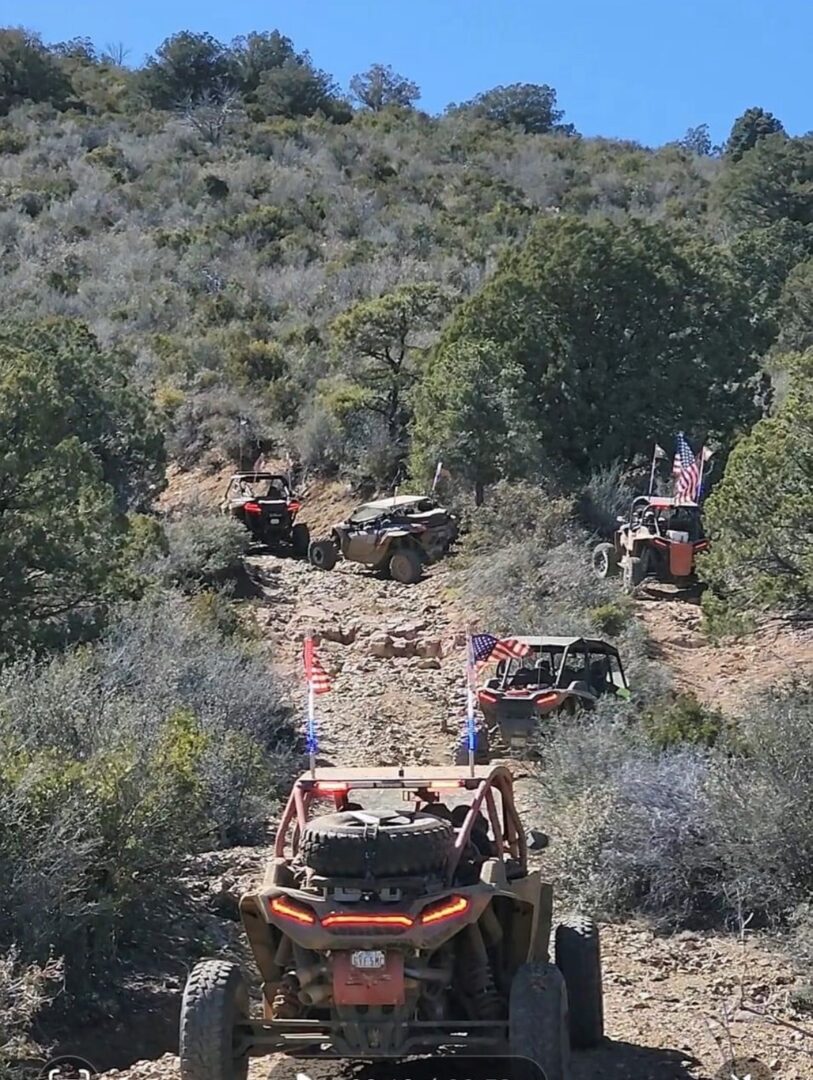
(543, 673)
(598, 675)
(524, 677)
(479, 833)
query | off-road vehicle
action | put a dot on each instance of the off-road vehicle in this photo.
(265, 504)
(411, 925)
(660, 539)
(557, 675)
(396, 536)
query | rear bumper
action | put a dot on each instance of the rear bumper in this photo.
(369, 1039)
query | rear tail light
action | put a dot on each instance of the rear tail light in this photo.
(446, 909)
(359, 922)
(545, 699)
(294, 506)
(331, 789)
(287, 909)
(252, 508)
(485, 696)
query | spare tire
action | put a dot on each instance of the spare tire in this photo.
(361, 843)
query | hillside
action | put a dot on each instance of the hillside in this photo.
(220, 256)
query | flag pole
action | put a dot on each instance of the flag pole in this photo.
(311, 729)
(311, 724)
(700, 473)
(652, 469)
(436, 477)
(470, 721)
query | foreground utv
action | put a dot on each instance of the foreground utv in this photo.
(557, 675)
(410, 924)
(396, 536)
(264, 503)
(659, 539)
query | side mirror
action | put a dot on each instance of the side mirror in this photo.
(537, 840)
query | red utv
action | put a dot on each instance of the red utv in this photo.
(264, 503)
(660, 539)
(557, 675)
(399, 916)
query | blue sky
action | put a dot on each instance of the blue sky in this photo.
(638, 69)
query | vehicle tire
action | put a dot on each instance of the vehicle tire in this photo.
(360, 843)
(633, 572)
(568, 708)
(578, 957)
(323, 554)
(214, 1001)
(300, 539)
(605, 561)
(538, 1022)
(405, 566)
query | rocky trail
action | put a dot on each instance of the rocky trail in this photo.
(677, 1006)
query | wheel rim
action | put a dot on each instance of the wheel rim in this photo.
(601, 562)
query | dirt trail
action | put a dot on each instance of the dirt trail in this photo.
(396, 657)
(730, 674)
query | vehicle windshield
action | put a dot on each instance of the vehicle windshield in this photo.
(557, 667)
(257, 488)
(665, 519)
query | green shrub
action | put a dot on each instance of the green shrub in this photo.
(204, 549)
(683, 719)
(12, 142)
(611, 618)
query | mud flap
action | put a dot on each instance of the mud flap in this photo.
(681, 557)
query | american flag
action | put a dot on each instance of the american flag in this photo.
(686, 470)
(484, 647)
(316, 676)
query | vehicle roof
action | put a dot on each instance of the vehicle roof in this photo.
(391, 503)
(259, 476)
(593, 644)
(407, 773)
(657, 500)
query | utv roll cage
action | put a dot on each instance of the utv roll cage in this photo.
(428, 784)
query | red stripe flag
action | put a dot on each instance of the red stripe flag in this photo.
(316, 676)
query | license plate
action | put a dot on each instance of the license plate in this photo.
(274, 521)
(368, 959)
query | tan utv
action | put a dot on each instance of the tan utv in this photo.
(659, 539)
(396, 536)
(399, 916)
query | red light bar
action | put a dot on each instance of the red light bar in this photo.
(331, 789)
(252, 508)
(280, 905)
(446, 909)
(361, 921)
(294, 506)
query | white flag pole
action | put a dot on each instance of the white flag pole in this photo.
(312, 728)
(471, 727)
(704, 456)
(652, 469)
(438, 470)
